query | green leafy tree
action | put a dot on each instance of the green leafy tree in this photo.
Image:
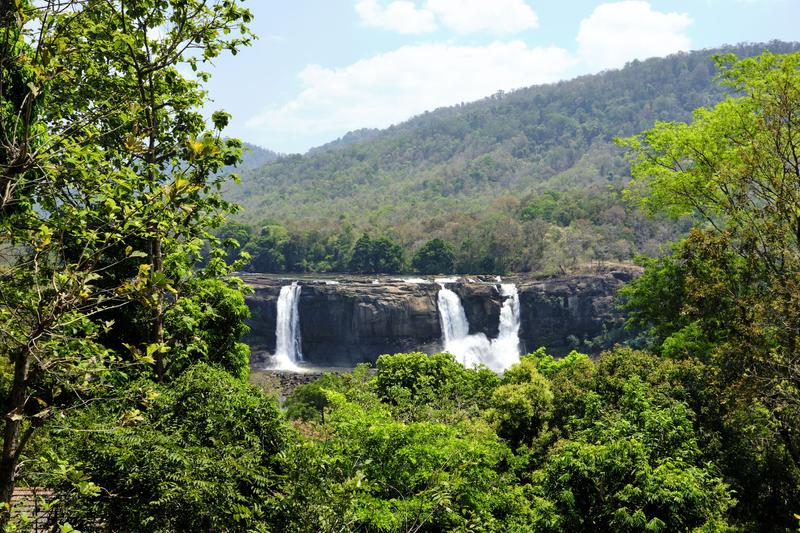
(418, 378)
(234, 237)
(207, 325)
(636, 467)
(388, 256)
(199, 454)
(117, 173)
(522, 404)
(435, 257)
(375, 473)
(736, 167)
(308, 402)
(361, 258)
(267, 250)
(376, 256)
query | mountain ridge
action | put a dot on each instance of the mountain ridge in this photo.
(458, 123)
(510, 174)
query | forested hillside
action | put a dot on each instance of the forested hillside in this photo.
(521, 181)
(255, 157)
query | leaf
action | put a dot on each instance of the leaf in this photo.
(196, 147)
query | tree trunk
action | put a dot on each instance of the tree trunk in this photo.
(11, 448)
(158, 318)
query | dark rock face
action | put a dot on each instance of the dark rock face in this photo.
(263, 306)
(356, 320)
(561, 314)
(482, 304)
(350, 323)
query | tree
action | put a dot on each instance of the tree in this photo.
(418, 378)
(635, 467)
(735, 282)
(434, 257)
(234, 237)
(376, 256)
(387, 256)
(109, 188)
(367, 471)
(522, 404)
(200, 454)
(207, 325)
(267, 251)
(361, 258)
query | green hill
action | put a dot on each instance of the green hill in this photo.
(527, 170)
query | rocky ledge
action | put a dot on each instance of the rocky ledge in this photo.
(350, 319)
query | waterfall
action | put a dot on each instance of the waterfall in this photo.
(472, 350)
(288, 347)
(505, 347)
(452, 316)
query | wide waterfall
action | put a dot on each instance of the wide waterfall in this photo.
(472, 350)
(288, 345)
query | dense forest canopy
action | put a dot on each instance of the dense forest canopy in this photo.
(523, 181)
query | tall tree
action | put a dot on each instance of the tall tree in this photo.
(737, 167)
(109, 178)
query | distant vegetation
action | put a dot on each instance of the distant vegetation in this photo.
(255, 157)
(522, 181)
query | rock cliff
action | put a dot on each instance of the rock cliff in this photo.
(353, 319)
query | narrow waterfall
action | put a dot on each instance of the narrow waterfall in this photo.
(288, 346)
(452, 316)
(472, 350)
(505, 347)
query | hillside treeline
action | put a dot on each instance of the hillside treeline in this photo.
(543, 232)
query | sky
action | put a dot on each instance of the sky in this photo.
(321, 68)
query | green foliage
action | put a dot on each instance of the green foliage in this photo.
(610, 445)
(308, 402)
(375, 473)
(628, 458)
(376, 256)
(233, 236)
(124, 379)
(728, 296)
(207, 326)
(435, 257)
(522, 404)
(624, 475)
(418, 378)
(111, 179)
(197, 455)
(267, 249)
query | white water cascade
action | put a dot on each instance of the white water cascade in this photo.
(472, 350)
(288, 347)
(505, 348)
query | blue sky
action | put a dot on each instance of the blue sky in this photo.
(322, 68)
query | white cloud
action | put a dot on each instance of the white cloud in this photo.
(497, 16)
(460, 16)
(621, 31)
(401, 16)
(391, 87)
